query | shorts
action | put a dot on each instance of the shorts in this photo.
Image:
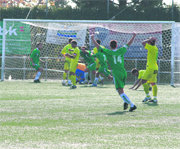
(92, 66)
(73, 66)
(67, 65)
(119, 78)
(150, 75)
(104, 69)
(37, 66)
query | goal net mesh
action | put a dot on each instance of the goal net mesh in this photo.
(22, 36)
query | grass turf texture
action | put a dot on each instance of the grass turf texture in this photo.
(51, 116)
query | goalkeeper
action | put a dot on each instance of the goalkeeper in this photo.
(34, 62)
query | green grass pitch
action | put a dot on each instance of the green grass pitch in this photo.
(50, 116)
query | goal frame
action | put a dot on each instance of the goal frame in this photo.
(88, 21)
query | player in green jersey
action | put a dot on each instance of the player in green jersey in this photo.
(103, 68)
(115, 58)
(91, 64)
(34, 62)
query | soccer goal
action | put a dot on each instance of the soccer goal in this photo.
(21, 36)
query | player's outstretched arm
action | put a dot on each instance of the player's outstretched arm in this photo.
(94, 41)
(139, 84)
(135, 84)
(131, 40)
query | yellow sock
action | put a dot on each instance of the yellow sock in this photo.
(146, 89)
(155, 89)
(64, 76)
(74, 79)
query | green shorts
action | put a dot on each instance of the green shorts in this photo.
(92, 66)
(36, 66)
(104, 69)
(119, 78)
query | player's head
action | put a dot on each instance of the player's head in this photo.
(83, 48)
(98, 41)
(113, 44)
(69, 40)
(73, 44)
(152, 41)
(39, 45)
(135, 72)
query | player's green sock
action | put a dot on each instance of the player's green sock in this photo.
(64, 76)
(146, 89)
(155, 89)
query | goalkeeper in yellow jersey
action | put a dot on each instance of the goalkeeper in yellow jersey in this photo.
(151, 69)
(67, 62)
(75, 53)
(138, 73)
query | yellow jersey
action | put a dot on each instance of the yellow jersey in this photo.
(141, 73)
(66, 50)
(152, 56)
(75, 52)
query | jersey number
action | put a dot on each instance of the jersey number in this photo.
(117, 59)
(104, 57)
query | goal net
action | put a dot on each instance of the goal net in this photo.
(21, 36)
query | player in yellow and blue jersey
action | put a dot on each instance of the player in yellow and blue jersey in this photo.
(67, 62)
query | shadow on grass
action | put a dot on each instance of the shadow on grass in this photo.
(151, 104)
(85, 86)
(118, 113)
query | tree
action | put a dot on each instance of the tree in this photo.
(59, 3)
(122, 3)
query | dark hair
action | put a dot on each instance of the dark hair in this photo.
(74, 42)
(152, 42)
(37, 45)
(134, 70)
(70, 39)
(84, 47)
(98, 41)
(113, 44)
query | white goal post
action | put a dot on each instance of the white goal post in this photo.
(21, 35)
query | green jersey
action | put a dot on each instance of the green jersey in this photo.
(35, 55)
(115, 58)
(87, 57)
(102, 58)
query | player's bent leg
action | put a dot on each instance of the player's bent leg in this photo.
(126, 100)
(64, 77)
(154, 89)
(73, 80)
(96, 79)
(38, 74)
(146, 90)
(86, 73)
(119, 81)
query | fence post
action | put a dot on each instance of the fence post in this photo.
(159, 69)
(46, 69)
(24, 69)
